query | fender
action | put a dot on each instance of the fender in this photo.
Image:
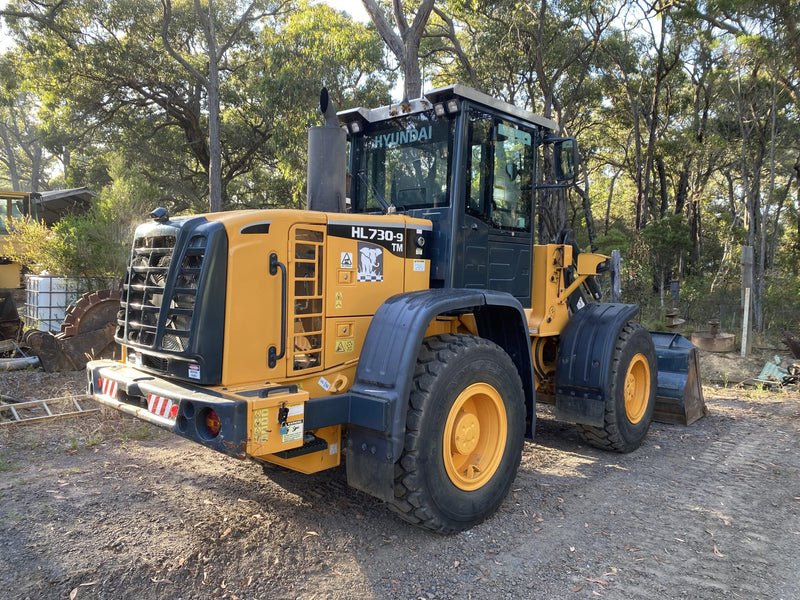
(386, 370)
(584, 361)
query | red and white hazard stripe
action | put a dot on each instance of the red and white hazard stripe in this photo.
(164, 407)
(108, 387)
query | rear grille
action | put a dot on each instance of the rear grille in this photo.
(153, 297)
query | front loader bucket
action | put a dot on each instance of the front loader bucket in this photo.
(679, 397)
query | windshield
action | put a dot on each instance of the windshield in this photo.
(403, 163)
(13, 208)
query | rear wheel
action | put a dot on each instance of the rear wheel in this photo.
(631, 395)
(464, 434)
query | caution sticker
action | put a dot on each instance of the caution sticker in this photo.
(292, 432)
(261, 425)
(343, 346)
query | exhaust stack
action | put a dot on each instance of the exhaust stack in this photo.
(327, 161)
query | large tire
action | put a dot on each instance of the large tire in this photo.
(631, 394)
(464, 434)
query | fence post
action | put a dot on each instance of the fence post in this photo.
(616, 281)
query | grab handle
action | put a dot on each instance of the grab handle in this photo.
(272, 356)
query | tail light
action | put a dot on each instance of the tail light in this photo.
(213, 424)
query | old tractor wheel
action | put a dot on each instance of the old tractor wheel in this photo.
(631, 396)
(464, 433)
(87, 332)
(91, 312)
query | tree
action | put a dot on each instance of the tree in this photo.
(405, 42)
(216, 49)
(23, 161)
(667, 242)
(315, 46)
(105, 69)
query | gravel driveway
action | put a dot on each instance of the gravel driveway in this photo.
(103, 506)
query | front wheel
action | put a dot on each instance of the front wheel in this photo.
(631, 393)
(464, 434)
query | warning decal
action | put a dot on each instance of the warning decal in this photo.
(345, 346)
(370, 262)
(292, 432)
(261, 425)
(347, 260)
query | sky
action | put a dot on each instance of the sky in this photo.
(353, 7)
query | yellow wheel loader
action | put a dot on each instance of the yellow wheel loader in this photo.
(408, 321)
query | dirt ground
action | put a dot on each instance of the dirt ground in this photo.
(102, 506)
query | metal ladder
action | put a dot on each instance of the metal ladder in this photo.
(43, 410)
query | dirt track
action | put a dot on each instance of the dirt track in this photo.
(104, 507)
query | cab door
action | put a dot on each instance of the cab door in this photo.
(496, 223)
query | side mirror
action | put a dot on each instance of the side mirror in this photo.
(565, 153)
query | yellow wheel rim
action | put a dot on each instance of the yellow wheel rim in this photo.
(637, 388)
(475, 436)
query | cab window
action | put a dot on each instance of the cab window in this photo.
(499, 172)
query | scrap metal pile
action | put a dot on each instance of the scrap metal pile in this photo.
(86, 333)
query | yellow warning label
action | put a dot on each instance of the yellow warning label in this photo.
(261, 425)
(345, 346)
(338, 301)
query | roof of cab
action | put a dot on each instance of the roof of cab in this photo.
(382, 113)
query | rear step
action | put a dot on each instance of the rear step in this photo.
(311, 444)
(679, 397)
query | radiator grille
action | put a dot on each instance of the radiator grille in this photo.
(153, 297)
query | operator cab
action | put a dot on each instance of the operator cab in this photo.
(468, 163)
(16, 206)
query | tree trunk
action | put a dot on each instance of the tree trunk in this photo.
(36, 166)
(404, 46)
(214, 145)
(11, 160)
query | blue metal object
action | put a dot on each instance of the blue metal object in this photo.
(679, 397)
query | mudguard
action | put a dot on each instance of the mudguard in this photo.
(386, 370)
(584, 361)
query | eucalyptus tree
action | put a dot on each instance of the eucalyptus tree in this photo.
(315, 46)
(403, 38)
(22, 159)
(111, 68)
(120, 76)
(540, 54)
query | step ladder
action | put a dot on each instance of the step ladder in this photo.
(43, 410)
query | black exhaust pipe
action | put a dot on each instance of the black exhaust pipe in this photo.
(327, 161)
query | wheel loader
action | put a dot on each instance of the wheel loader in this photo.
(407, 321)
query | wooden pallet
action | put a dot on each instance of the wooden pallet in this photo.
(43, 410)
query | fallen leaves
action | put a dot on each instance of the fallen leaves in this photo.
(74, 593)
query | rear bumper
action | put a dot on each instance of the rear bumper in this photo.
(252, 423)
(131, 391)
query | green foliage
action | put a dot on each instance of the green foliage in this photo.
(615, 239)
(94, 244)
(781, 302)
(314, 46)
(674, 116)
(667, 242)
